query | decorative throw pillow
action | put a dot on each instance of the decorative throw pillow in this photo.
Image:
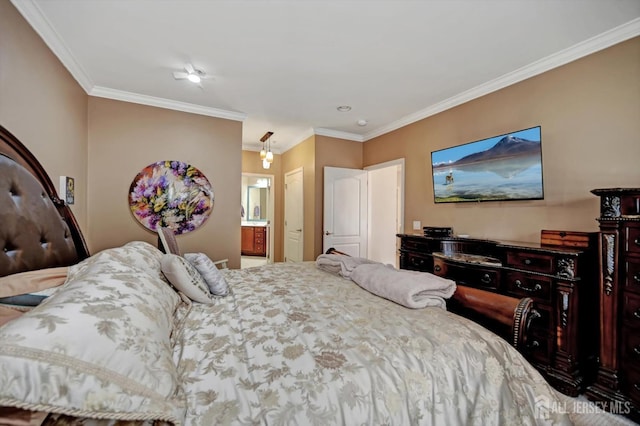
(100, 347)
(186, 278)
(210, 272)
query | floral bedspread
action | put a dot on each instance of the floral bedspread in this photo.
(293, 345)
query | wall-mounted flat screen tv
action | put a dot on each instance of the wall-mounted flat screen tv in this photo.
(500, 168)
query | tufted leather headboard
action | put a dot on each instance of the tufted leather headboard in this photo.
(37, 229)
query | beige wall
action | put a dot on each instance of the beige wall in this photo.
(589, 111)
(125, 137)
(42, 105)
(303, 155)
(251, 163)
(331, 152)
(313, 154)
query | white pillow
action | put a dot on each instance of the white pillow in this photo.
(186, 278)
(210, 272)
(100, 347)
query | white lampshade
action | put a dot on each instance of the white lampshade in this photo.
(265, 164)
(263, 154)
(269, 157)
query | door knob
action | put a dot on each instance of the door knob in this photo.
(327, 233)
(299, 230)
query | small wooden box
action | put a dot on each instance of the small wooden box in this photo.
(568, 238)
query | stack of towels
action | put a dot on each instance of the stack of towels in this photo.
(408, 288)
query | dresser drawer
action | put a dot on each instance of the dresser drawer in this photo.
(632, 281)
(530, 261)
(471, 276)
(633, 239)
(631, 310)
(545, 322)
(421, 245)
(416, 262)
(631, 346)
(539, 348)
(520, 284)
(259, 232)
(631, 386)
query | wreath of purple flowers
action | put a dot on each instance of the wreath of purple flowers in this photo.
(171, 194)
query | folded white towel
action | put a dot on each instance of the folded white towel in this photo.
(339, 264)
(408, 288)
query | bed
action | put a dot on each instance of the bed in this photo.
(115, 343)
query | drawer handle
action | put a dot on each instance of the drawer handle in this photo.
(637, 313)
(521, 286)
(637, 241)
(486, 279)
(636, 278)
(637, 386)
(534, 344)
(437, 268)
(637, 350)
(527, 261)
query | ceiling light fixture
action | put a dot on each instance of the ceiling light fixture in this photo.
(344, 108)
(190, 73)
(362, 122)
(265, 153)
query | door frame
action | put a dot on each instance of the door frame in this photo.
(270, 211)
(401, 192)
(397, 162)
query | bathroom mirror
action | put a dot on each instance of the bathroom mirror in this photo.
(256, 203)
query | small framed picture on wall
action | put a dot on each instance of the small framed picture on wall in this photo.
(67, 189)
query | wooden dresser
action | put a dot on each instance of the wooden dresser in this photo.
(254, 241)
(558, 274)
(618, 379)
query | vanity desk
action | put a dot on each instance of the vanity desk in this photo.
(557, 273)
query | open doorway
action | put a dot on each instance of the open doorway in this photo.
(385, 210)
(257, 212)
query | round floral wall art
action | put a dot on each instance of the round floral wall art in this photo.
(172, 194)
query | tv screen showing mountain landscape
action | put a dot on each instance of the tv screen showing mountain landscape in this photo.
(505, 167)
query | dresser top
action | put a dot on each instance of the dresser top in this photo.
(529, 246)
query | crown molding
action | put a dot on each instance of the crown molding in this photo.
(338, 134)
(121, 95)
(254, 148)
(286, 146)
(602, 41)
(32, 13)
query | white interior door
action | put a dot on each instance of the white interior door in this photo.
(293, 216)
(345, 211)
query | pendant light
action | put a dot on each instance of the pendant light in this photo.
(265, 153)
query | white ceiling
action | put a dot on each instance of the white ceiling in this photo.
(285, 66)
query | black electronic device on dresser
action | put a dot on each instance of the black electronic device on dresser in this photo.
(618, 379)
(558, 274)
